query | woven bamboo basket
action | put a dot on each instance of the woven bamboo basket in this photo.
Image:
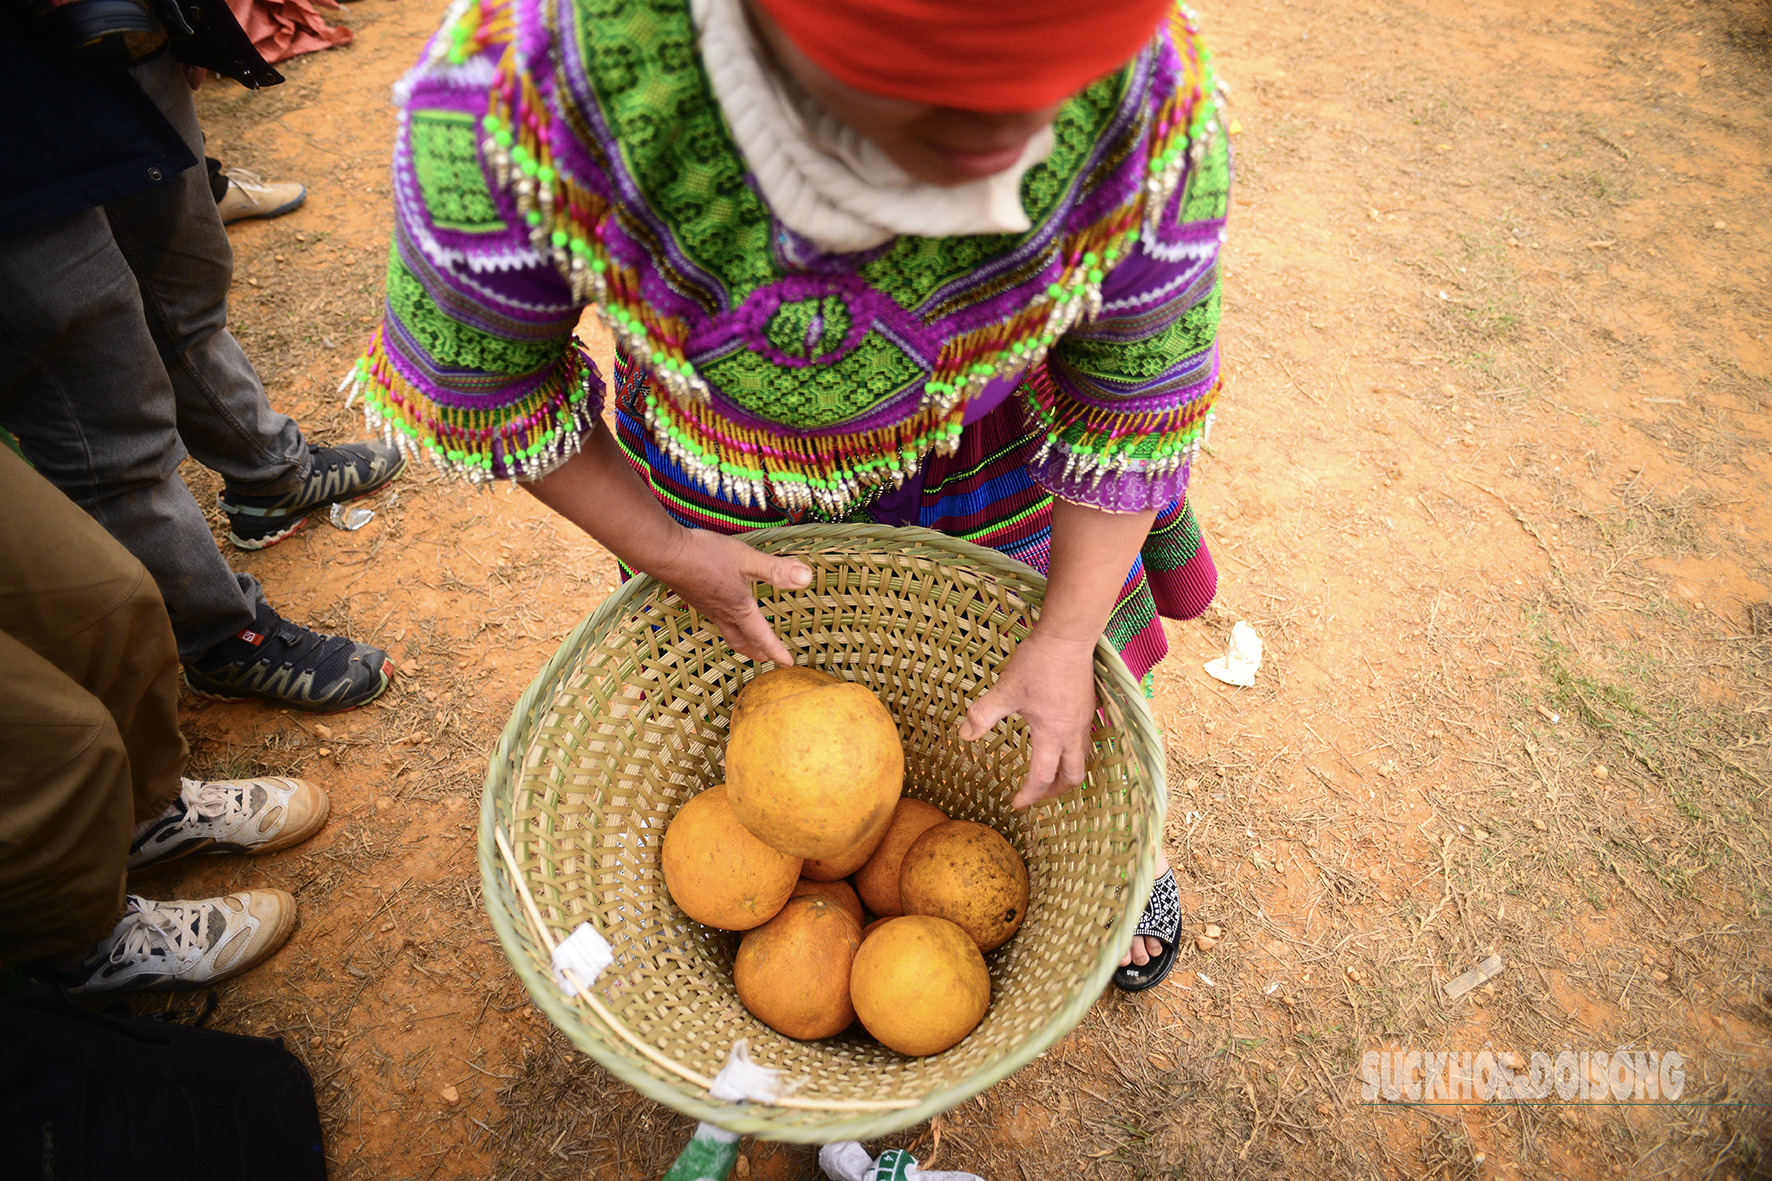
(628, 720)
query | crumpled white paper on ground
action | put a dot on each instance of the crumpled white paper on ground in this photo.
(586, 953)
(1242, 657)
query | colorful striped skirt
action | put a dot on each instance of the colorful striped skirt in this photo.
(982, 494)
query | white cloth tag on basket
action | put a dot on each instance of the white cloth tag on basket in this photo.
(743, 1081)
(586, 953)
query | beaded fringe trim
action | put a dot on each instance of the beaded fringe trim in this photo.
(830, 473)
(524, 441)
(1097, 443)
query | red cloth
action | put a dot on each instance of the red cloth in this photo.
(973, 55)
(281, 29)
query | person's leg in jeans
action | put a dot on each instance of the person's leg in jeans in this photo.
(114, 357)
(83, 388)
(175, 244)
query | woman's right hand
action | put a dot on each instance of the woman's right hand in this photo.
(597, 491)
(715, 575)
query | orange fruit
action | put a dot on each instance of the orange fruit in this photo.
(830, 869)
(871, 928)
(919, 984)
(842, 893)
(813, 773)
(877, 881)
(969, 874)
(792, 972)
(782, 681)
(717, 872)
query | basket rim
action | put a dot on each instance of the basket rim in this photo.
(499, 895)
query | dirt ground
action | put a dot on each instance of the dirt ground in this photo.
(1491, 479)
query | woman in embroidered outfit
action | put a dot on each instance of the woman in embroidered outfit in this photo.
(911, 261)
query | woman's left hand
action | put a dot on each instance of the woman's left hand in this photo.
(1050, 682)
(1050, 678)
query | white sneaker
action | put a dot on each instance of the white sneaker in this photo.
(231, 816)
(250, 195)
(187, 944)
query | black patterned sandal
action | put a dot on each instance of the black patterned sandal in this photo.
(1161, 920)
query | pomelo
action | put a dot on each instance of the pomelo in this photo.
(919, 984)
(830, 869)
(842, 893)
(782, 681)
(813, 773)
(969, 874)
(877, 881)
(717, 872)
(792, 972)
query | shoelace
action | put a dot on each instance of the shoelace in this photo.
(208, 801)
(286, 643)
(299, 642)
(163, 931)
(247, 180)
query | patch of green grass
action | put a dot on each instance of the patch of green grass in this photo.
(1313, 1036)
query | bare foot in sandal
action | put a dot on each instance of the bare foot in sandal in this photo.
(1152, 952)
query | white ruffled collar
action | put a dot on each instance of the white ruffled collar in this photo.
(824, 181)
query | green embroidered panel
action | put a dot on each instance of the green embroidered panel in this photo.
(1140, 361)
(791, 329)
(1131, 615)
(648, 80)
(1174, 545)
(818, 395)
(450, 344)
(1208, 193)
(447, 163)
(1079, 124)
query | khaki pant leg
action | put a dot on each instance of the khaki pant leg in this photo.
(66, 810)
(75, 597)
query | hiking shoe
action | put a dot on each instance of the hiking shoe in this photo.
(231, 816)
(285, 663)
(334, 474)
(186, 944)
(251, 195)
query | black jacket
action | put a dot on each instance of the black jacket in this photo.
(71, 141)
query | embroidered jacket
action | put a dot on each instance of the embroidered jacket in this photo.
(555, 154)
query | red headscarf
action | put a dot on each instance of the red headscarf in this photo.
(974, 55)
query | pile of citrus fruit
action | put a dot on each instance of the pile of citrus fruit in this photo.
(808, 836)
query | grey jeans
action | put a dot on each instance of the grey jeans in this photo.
(116, 360)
